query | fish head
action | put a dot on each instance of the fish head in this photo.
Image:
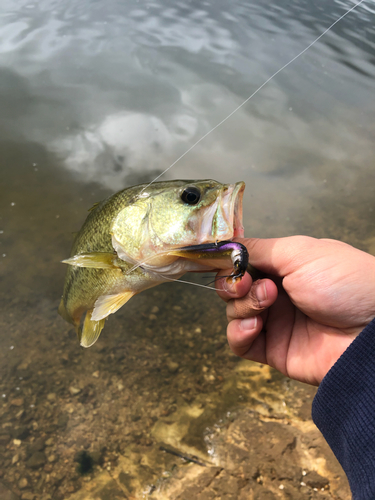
(168, 215)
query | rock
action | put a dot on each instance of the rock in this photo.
(20, 432)
(15, 458)
(62, 421)
(97, 457)
(155, 310)
(28, 496)
(20, 413)
(315, 480)
(17, 402)
(172, 366)
(6, 494)
(49, 429)
(37, 445)
(74, 390)
(23, 366)
(96, 374)
(51, 397)
(4, 439)
(153, 317)
(52, 458)
(17, 442)
(22, 483)
(37, 460)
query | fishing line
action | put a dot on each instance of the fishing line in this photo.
(256, 91)
(136, 266)
(194, 284)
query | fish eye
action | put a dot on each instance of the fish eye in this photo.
(191, 195)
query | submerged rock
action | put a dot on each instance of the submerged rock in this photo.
(37, 460)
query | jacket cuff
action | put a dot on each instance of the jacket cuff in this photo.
(344, 411)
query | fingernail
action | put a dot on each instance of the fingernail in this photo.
(249, 324)
(261, 292)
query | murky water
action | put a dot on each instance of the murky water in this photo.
(95, 96)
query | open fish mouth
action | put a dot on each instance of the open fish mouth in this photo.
(237, 204)
(223, 219)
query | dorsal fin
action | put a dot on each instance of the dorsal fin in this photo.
(94, 206)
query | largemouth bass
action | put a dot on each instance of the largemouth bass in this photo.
(143, 236)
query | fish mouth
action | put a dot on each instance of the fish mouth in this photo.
(223, 219)
(236, 203)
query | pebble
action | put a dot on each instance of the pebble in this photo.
(172, 366)
(153, 316)
(62, 421)
(52, 458)
(51, 396)
(17, 442)
(37, 445)
(22, 483)
(15, 458)
(155, 310)
(96, 374)
(17, 402)
(315, 480)
(27, 496)
(74, 390)
(37, 460)
(20, 432)
(4, 439)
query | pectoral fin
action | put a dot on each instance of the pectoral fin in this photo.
(99, 260)
(109, 304)
(91, 330)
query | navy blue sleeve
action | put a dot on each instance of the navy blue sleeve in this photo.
(344, 411)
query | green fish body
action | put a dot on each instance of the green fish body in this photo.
(129, 242)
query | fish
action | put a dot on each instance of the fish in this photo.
(146, 235)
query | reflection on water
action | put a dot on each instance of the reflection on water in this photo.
(95, 96)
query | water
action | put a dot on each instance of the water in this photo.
(96, 96)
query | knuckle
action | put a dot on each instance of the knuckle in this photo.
(243, 308)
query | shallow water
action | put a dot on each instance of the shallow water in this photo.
(96, 96)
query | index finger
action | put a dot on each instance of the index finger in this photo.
(282, 256)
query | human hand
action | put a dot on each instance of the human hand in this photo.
(321, 297)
